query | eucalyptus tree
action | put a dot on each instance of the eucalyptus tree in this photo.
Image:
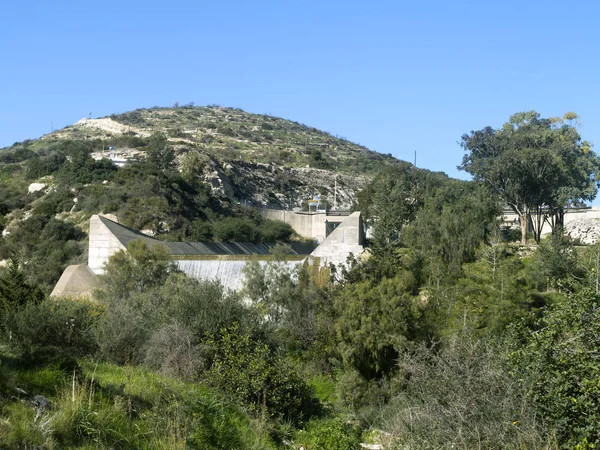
(538, 166)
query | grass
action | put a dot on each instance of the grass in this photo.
(101, 405)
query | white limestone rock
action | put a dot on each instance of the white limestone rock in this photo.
(35, 187)
(587, 231)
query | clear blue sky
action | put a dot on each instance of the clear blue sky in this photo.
(392, 75)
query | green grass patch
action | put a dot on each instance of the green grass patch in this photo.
(110, 406)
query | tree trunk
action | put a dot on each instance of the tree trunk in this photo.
(523, 218)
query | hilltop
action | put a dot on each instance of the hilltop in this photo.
(233, 134)
(254, 159)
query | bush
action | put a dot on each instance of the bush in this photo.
(275, 231)
(136, 270)
(205, 307)
(559, 363)
(374, 322)
(236, 230)
(124, 329)
(44, 165)
(173, 351)
(328, 434)
(460, 395)
(58, 201)
(52, 329)
(250, 372)
(201, 231)
(47, 246)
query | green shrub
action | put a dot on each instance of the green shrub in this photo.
(374, 322)
(275, 231)
(559, 364)
(58, 201)
(124, 329)
(236, 230)
(257, 377)
(13, 196)
(54, 328)
(44, 165)
(46, 246)
(136, 270)
(328, 434)
(205, 307)
(201, 231)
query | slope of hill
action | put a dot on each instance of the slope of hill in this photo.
(233, 134)
(186, 173)
(250, 158)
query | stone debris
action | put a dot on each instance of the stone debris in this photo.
(586, 230)
(41, 402)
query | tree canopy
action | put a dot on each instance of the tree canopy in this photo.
(538, 166)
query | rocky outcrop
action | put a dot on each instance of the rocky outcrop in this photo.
(257, 184)
(586, 230)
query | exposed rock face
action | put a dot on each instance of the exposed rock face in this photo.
(35, 187)
(276, 186)
(586, 230)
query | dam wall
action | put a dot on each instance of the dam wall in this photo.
(228, 272)
(310, 225)
(339, 235)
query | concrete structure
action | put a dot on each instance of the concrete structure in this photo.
(222, 261)
(347, 238)
(311, 225)
(76, 281)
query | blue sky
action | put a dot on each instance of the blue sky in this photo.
(395, 76)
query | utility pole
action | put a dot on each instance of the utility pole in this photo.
(335, 194)
(415, 158)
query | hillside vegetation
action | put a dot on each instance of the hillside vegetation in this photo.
(233, 134)
(448, 333)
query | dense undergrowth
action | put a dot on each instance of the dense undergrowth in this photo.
(45, 227)
(447, 334)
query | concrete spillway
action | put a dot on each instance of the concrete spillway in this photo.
(228, 272)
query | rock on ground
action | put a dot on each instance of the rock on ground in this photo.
(587, 231)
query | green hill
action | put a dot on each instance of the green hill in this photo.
(185, 173)
(233, 134)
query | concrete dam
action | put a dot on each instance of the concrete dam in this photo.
(222, 261)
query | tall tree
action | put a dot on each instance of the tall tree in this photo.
(392, 201)
(536, 165)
